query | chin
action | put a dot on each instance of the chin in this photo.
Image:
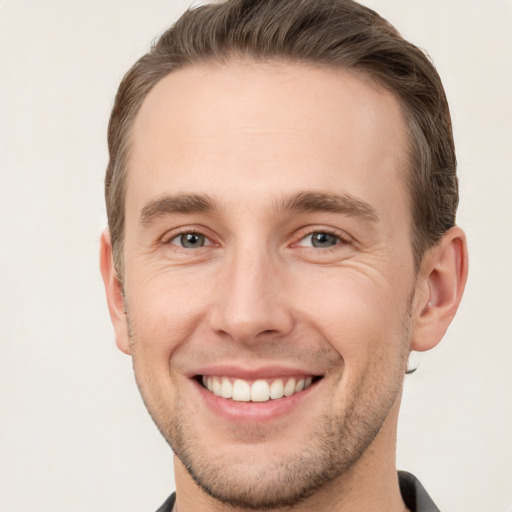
(272, 474)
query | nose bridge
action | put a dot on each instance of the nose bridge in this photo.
(251, 301)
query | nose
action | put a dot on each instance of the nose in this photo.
(252, 300)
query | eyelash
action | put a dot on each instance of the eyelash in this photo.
(341, 238)
(174, 236)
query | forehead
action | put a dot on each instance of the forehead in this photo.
(263, 127)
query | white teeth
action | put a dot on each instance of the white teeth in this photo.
(226, 389)
(289, 388)
(215, 385)
(259, 391)
(276, 389)
(207, 383)
(241, 391)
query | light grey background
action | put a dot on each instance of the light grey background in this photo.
(74, 434)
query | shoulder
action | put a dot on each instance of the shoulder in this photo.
(414, 494)
(169, 504)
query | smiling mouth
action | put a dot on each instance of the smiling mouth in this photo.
(260, 390)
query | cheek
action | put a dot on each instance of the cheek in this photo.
(163, 311)
(160, 319)
(363, 318)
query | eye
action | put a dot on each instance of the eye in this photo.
(190, 240)
(320, 240)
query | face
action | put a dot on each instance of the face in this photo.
(269, 274)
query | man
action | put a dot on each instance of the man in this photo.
(281, 196)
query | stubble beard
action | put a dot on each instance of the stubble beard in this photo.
(334, 447)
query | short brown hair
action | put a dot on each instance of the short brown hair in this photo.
(326, 33)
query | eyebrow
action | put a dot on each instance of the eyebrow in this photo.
(327, 202)
(308, 201)
(176, 204)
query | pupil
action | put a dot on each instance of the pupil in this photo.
(192, 240)
(323, 240)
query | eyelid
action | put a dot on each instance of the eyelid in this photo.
(170, 235)
(207, 241)
(343, 237)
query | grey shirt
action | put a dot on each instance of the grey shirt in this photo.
(413, 493)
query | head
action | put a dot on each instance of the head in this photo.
(281, 197)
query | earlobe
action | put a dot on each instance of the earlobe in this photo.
(442, 279)
(114, 292)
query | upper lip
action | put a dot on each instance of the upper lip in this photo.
(252, 372)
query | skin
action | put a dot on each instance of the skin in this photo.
(259, 297)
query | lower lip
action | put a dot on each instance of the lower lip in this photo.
(253, 411)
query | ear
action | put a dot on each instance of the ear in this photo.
(441, 281)
(114, 291)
